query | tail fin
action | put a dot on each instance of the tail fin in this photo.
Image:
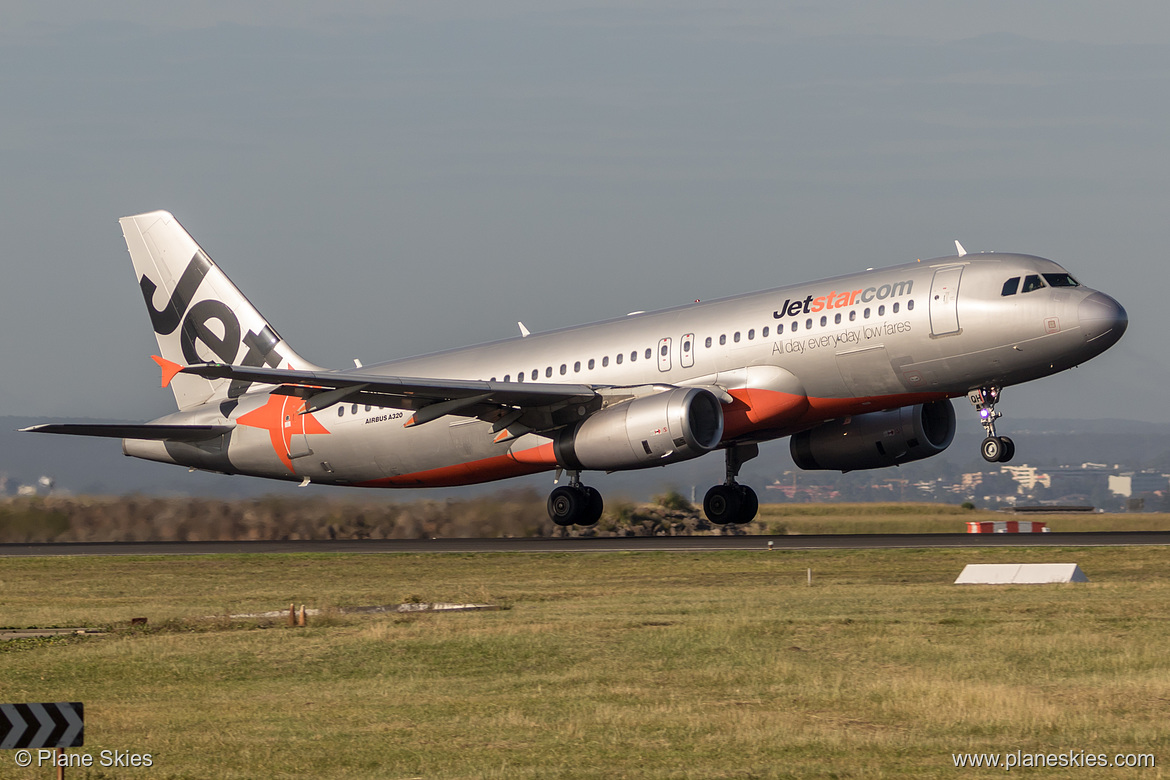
(197, 313)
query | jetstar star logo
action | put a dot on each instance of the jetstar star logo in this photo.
(281, 417)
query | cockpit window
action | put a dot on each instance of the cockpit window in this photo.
(1032, 282)
(1011, 286)
(1061, 280)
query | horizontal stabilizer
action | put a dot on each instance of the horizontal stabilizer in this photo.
(151, 432)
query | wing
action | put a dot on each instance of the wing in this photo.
(535, 406)
(118, 431)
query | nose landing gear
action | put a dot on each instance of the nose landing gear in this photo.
(995, 449)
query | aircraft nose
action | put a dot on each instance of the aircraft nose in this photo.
(1102, 318)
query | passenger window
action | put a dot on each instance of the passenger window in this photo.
(837, 318)
(1061, 280)
(591, 364)
(619, 358)
(564, 369)
(909, 305)
(664, 350)
(649, 352)
(353, 410)
(1011, 286)
(707, 343)
(548, 373)
(824, 320)
(795, 326)
(808, 324)
(1032, 282)
(852, 316)
(340, 410)
(723, 339)
(751, 334)
(736, 337)
(779, 328)
(633, 356)
(765, 333)
(535, 374)
(865, 313)
(520, 377)
(687, 345)
(895, 309)
(577, 367)
(507, 377)
(367, 407)
(605, 361)
(882, 310)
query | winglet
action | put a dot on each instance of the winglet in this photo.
(169, 369)
(959, 248)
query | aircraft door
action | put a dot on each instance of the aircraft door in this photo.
(295, 434)
(686, 355)
(944, 301)
(664, 354)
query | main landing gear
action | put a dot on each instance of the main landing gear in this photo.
(995, 449)
(574, 503)
(732, 502)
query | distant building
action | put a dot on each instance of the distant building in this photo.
(1027, 477)
(1135, 483)
(971, 479)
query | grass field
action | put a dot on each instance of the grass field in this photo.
(925, 518)
(656, 665)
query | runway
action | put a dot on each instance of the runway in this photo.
(601, 544)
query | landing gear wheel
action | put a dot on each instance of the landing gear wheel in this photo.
(567, 505)
(575, 505)
(594, 505)
(723, 504)
(749, 504)
(998, 449)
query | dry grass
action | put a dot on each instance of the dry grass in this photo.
(606, 665)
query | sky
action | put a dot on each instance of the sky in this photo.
(385, 179)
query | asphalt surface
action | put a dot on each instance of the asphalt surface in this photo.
(605, 544)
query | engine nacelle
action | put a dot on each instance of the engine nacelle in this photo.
(652, 430)
(877, 439)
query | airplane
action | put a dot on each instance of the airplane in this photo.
(858, 370)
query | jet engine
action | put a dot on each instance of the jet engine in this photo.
(651, 430)
(877, 439)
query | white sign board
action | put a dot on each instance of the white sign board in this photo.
(1020, 574)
